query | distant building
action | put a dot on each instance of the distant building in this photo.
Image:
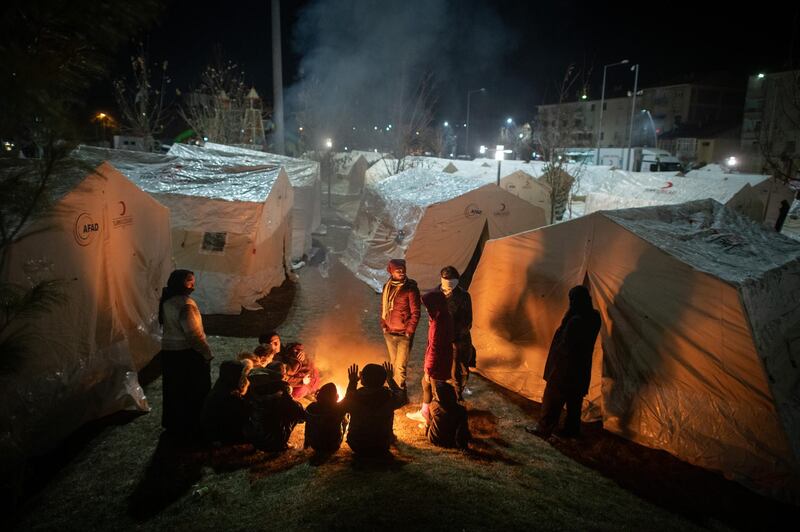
(130, 143)
(771, 123)
(702, 145)
(659, 111)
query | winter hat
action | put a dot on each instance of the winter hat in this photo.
(396, 264)
(373, 376)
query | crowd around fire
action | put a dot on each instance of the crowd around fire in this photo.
(256, 398)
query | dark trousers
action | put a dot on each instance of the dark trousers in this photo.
(553, 402)
(429, 387)
(461, 361)
(185, 382)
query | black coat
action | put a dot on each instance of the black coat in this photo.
(325, 425)
(569, 361)
(273, 414)
(448, 425)
(371, 417)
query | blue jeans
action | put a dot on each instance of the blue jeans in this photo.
(399, 347)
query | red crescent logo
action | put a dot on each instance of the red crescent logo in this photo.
(668, 185)
(124, 208)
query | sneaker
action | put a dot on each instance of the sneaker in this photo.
(466, 391)
(416, 416)
(537, 431)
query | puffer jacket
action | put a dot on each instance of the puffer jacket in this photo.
(404, 315)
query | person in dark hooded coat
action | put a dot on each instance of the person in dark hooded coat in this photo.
(569, 365)
(225, 410)
(273, 412)
(448, 425)
(325, 420)
(371, 409)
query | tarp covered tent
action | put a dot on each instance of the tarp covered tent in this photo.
(637, 189)
(106, 244)
(768, 191)
(700, 339)
(231, 222)
(518, 177)
(303, 175)
(432, 219)
(351, 168)
(385, 167)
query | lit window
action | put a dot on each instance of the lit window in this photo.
(214, 242)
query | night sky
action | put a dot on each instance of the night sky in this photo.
(517, 50)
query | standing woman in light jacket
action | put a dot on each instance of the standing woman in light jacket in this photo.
(185, 357)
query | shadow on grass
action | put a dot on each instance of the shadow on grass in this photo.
(486, 439)
(695, 493)
(171, 472)
(251, 323)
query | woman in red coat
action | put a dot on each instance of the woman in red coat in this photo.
(439, 352)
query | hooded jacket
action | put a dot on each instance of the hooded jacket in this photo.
(569, 361)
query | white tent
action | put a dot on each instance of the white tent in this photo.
(700, 339)
(303, 174)
(385, 167)
(768, 191)
(432, 219)
(351, 168)
(518, 177)
(106, 243)
(231, 222)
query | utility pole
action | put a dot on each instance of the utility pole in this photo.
(277, 78)
(633, 107)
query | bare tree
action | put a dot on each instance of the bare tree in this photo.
(553, 134)
(412, 116)
(216, 109)
(142, 99)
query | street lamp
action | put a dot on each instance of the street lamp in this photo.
(652, 125)
(633, 107)
(602, 101)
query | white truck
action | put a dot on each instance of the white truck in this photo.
(635, 159)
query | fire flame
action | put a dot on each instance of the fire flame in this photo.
(341, 390)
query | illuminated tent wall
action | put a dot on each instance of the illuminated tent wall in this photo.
(517, 177)
(432, 219)
(107, 243)
(231, 222)
(303, 174)
(699, 348)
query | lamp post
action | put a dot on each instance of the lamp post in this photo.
(633, 107)
(498, 154)
(652, 125)
(466, 133)
(602, 101)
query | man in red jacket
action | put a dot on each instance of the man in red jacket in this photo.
(400, 310)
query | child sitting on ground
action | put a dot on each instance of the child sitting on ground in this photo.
(325, 421)
(301, 373)
(273, 412)
(448, 425)
(371, 408)
(225, 410)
